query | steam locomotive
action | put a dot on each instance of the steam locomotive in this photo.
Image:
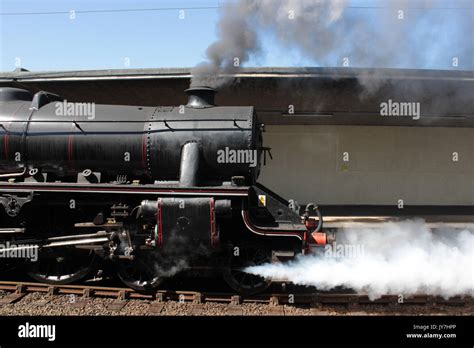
(152, 190)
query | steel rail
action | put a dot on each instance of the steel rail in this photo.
(124, 294)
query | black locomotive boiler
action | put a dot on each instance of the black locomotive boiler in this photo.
(153, 190)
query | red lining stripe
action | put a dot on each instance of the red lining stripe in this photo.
(214, 240)
(6, 139)
(125, 189)
(159, 221)
(6, 143)
(69, 148)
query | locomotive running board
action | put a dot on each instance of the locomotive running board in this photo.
(240, 191)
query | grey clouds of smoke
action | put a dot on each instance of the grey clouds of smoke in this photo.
(237, 40)
(398, 258)
(327, 31)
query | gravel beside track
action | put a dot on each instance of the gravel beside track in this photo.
(34, 304)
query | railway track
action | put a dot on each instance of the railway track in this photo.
(317, 303)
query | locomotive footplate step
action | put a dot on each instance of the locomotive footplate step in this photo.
(12, 298)
(117, 305)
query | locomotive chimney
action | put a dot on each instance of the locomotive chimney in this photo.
(200, 97)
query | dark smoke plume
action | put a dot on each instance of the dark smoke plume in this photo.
(393, 34)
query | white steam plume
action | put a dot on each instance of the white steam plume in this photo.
(397, 258)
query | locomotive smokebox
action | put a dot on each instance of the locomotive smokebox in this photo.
(200, 97)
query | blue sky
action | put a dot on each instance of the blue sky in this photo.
(142, 39)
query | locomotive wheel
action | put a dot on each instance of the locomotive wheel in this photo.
(140, 273)
(249, 255)
(61, 267)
